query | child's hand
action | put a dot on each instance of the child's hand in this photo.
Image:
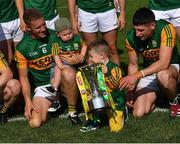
(104, 69)
(80, 58)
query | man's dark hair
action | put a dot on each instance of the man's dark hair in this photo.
(100, 46)
(30, 15)
(143, 16)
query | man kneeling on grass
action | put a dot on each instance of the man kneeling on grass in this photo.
(34, 59)
(155, 41)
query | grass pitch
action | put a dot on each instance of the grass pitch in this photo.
(154, 128)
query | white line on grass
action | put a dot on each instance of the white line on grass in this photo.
(14, 119)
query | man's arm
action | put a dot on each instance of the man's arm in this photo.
(122, 19)
(165, 52)
(20, 8)
(24, 80)
(22, 65)
(72, 14)
(129, 81)
(26, 91)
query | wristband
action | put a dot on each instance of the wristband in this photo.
(142, 72)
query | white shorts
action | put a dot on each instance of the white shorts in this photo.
(172, 16)
(51, 23)
(41, 91)
(151, 81)
(11, 30)
(104, 22)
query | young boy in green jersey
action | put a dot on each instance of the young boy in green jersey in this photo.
(70, 51)
(98, 52)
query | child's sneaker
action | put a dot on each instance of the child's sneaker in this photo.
(90, 126)
(75, 119)
(175, 107)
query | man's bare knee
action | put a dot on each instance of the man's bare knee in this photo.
(14, 86)
(68, 75)
(164, 78)
(35, 123)
(138, 113)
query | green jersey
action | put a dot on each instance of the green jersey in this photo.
(164, 35)
(74, 44)
(8, 10)
(163, 4)
(46, 7)
(112, 79)
(66, 50)
(95, 6)
(37, 57)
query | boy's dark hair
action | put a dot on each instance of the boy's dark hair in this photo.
(30, 15)
(100, 46)
(143, 16)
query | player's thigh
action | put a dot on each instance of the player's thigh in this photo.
(166, 75)
(88, 22)
(89, 37)
(111, 38)
(107, 21)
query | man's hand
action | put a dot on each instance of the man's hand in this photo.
(130, 104)
(75, 27)
(122, 21)
(29, 107)
(128, 82)
(23, 25)
(130, 98)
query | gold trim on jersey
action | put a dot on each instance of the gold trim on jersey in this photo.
(21, 60)
(168, 36)
(128, 46)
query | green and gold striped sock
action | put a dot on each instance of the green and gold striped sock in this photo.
(3, 109)
(71, 109)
